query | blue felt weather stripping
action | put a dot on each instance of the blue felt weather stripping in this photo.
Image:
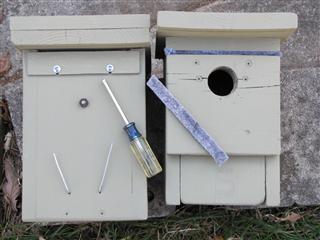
(171, 51)
(207, 142)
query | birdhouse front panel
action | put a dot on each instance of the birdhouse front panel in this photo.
(77, 162)
(235, 98)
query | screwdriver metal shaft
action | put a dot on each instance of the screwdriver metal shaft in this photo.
(139, 145)
(115, 102)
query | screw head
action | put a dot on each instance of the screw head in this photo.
(109, 68)
(56, 69)
(84, 102)
(196, 62)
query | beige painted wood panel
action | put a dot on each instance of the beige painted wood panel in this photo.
(247, 25)
(29, 147)
(240, 181)
(81, 32)
(78, 63)
(185, 68)
(81, 38)
(246, 122)
(273, 180)
(172, 182)
(80, 22)
(80, 137)
(202, 43)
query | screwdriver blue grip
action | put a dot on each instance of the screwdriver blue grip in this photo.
(132, 131)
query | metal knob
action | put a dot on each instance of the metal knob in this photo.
(84, 102)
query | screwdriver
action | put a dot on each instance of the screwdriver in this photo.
(138, 144)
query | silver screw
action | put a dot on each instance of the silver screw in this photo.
(109, 68)
(196, 62)
(56, 69)
(101, 212)
(245, 78)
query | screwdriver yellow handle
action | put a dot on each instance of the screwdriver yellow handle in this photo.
(145, 156)
(142, 151)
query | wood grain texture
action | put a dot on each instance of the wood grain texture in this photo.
(81, 39)
(80, 22)
(246, 122)
(248, 25)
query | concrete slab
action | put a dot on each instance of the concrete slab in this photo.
(300, 113)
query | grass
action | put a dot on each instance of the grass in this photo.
(209, 223)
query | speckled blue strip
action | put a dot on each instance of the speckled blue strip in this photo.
(171, 51)
(207, 142)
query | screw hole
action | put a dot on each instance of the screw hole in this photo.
(249, 63)
(199, 78)
(222, 81)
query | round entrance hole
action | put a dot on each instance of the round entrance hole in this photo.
(222, 81)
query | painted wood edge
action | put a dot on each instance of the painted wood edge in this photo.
(29, 188)
(282, 34)
(80, 22)
(227, 21)
(172, 180)
(278, 25)
(81, 39)
(273, 181)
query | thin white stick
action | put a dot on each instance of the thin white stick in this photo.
(61, 174)
(105, 169)
(115, 102)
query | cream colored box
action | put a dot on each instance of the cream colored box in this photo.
(78, 49)
(226, 72)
